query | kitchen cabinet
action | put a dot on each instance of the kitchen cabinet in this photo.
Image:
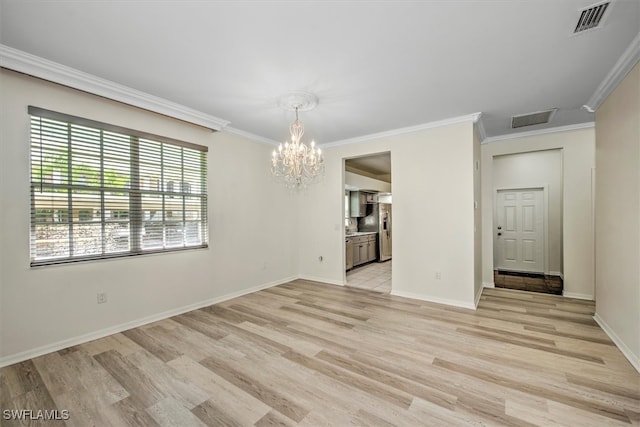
(358, 204)
(359, 250)
(363, 252)
(364, 248)
(349, 254)
(371, 248)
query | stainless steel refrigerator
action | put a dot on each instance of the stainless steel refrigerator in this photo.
(384, 233)
(378, 219)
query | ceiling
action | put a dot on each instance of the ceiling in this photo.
(377, 166)
(375, 66)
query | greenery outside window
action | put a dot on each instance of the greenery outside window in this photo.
(102, 191)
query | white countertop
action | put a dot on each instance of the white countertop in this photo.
(360, 233)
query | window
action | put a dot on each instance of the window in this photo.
(347, 209)
(101, 191)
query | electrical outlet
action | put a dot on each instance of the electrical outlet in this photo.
(438, 275)
(102, 297)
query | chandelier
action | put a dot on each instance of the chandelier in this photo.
(295, 163)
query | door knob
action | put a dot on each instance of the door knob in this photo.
(499, 234)
(499, 227)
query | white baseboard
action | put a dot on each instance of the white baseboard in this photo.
(577, 296)
(476, 300)
(437, 300)
(634, 359)
(81, 339)
(556, 273)
(488, 285)
(321, 280)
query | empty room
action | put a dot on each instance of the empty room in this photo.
(370, 213)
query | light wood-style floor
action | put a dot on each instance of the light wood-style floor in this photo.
(306, 353)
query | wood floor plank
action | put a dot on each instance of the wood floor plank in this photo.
(167, 380)
(364, 419)
(580, 337)
(56, 375)
(480, 408)
(342, 312)
(311, 314)
(434, 415)
(211, 414)
(196, 321)
(169, 412)
(131, 415)
(256, 310)
(506, 331)
(191, 343)
(256, 389)
(550, 349)
(233, 316)
(232, 402)
(274, 419)
(163, 350)
(140, 387)
(20, 378)
(96, 381)
(532, 414)
(36, 399)
(571, 416)
(275, 335)
(632, 393)
(595, 407)
(117, 342)
(400, 399)
(310, 354)
(379, 375)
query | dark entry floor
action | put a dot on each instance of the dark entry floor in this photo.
(528, 282)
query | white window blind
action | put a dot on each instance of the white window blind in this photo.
(102, 191)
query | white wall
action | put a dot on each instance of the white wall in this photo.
(365, 183)
(534, 169)
(477, 218)
(432, 186)
(618, 216)
(578, 161)
(252, 224)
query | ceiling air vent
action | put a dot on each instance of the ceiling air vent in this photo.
(591, 17)
(531, 119)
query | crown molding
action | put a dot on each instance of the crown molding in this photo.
(482, 133)
(557, 129)
(251, 136)
(17, 60)
(386, 134)
(619, 71)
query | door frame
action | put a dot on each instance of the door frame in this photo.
(342, 211)
(545, 220)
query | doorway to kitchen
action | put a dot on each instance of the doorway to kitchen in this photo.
(368, 222)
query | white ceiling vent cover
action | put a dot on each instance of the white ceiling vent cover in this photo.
(531, 119)
(591, 17)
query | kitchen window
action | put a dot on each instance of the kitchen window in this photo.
(102, 191)
(346, 208)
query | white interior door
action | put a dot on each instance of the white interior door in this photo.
(519, 230)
